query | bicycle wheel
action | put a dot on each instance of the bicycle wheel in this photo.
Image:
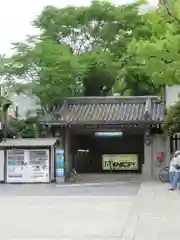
(164, 175)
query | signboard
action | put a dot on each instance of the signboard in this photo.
(27, 165)
(15, 165)
(2, 165)
(12, 110)
(37, 168)
(120, 162)
(60, 163)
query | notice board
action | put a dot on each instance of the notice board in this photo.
(27, 165)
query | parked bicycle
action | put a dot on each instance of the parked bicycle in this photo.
(163, 174)
(71, 176)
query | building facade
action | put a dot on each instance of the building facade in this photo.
(111, 134)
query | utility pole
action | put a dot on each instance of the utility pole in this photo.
(5, 107)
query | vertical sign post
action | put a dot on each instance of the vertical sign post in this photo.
(59, 166)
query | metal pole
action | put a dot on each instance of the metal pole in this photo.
(5, 109)
(4, 125)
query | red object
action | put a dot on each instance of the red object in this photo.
(160, 157)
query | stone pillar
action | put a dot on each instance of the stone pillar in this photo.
(147, 166)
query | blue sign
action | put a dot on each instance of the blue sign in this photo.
(60, 163)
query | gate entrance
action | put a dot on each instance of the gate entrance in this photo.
(77, 119)
(120, 154)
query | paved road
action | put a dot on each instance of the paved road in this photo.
(152, 213)
(109, 189)
(63, 218)
(50, 212)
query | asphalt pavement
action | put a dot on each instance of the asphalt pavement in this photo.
(103, 189)
(123, 211)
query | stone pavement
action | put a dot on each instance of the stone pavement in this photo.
(153, 214)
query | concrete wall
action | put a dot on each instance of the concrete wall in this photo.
(160, 143)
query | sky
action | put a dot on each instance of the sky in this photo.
(16, 17)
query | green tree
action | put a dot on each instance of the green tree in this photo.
(49, 70)
(5, 79)
(26, 128)
(83, 51)
(104, 27)
(172, 119)
(160, 54)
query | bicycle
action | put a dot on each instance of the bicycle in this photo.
(71, 176)
(163, 174)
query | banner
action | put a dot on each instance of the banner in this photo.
(120, 162)
(59, 163)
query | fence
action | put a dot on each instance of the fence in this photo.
(175, 142)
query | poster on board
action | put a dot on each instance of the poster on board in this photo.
(59, 163)
(15, 165)
(27, 166)
(37, 169)
(120, 162)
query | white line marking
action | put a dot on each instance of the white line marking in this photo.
(91, 184)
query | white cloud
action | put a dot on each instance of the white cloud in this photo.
(16, 16)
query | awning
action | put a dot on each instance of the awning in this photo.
(28, 142)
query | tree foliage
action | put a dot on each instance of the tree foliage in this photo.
(83, 51)
(172, 120)
(98, 50)
(25, 128)
(5, 77)
(159, 54)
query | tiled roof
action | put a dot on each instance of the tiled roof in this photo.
(108, 110)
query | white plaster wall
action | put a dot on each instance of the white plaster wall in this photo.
(172, 95)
